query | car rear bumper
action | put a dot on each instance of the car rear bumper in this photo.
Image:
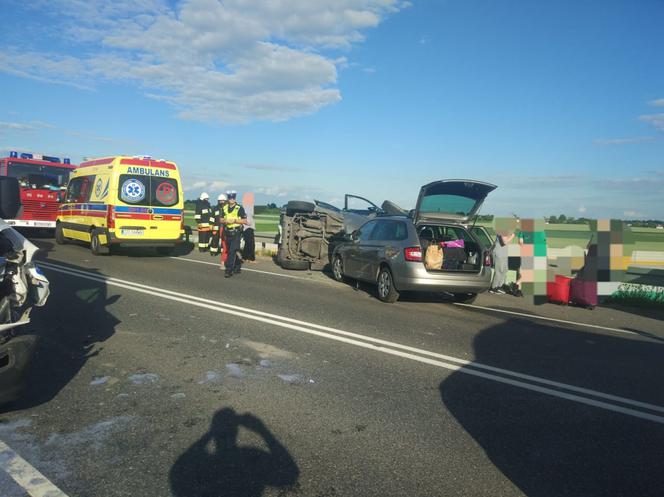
(415, 277)
(143, 242)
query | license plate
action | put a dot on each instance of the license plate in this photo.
(125, 232)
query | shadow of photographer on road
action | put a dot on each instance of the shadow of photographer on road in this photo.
(229, 469)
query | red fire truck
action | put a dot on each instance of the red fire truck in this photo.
(43, 180)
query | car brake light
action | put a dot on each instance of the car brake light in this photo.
(413, 254)
(110, 217)
(488, 261)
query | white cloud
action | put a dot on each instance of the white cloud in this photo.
(231, 61)
(16, 126)
(624, 141)
(273, 191)
(655, 120)
(582, 209)
(657, 103)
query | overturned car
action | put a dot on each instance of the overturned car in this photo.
(309, 231)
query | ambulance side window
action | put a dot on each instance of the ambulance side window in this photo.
(79, 189)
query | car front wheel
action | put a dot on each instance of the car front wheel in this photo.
(338, 269)
(386, 289)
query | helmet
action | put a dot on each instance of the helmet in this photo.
(204, 196)
(232, 194)
(222, 197)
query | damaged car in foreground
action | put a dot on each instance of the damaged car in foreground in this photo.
(389, 251)
(22, 286)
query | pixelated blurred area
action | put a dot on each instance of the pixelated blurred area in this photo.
(610, 257)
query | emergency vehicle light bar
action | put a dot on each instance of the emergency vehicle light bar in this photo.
(25, 155)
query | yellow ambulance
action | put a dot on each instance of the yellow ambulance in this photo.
(123, 202)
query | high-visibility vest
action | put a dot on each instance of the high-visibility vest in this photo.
(232, 214)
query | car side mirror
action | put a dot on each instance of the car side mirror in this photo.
(355, 235)
(10, 197)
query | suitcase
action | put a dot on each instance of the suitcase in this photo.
(583, 293)
(558, 291)
(453, 257)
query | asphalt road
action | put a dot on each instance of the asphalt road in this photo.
(156, 376)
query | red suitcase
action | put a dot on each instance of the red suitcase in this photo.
(559, 290)
(583, 293)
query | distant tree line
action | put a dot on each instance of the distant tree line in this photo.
(637, 223)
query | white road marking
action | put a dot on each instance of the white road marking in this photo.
(244, 268)
(555, 320)
(472, 306)
(387, 347)
(30, 480)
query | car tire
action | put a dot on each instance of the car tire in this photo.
(338, 269)
(291, 264)
(95, 245)
(294, 265)
(59, 235)
(386, 290)
(295, 206)
(465, 298)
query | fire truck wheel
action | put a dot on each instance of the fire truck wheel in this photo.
(59, 235)
(95, 245)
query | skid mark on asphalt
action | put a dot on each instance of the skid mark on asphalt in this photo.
(581, 395)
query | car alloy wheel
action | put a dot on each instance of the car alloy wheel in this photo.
(384, 284)
(337, 269)
(386, 290)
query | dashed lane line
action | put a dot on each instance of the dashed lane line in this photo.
(27, 477)
(487, 372)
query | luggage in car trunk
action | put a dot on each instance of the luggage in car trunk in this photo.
(453, 258)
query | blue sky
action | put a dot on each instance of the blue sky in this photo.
(561, 104)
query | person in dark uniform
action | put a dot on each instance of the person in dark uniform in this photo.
(202, 218)
(233, 220)
(217, 228)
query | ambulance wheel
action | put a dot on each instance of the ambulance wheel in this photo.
(95, 245)
(59, 235)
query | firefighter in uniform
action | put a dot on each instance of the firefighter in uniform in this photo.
(217, 227)
(202, 218)
(233, 219)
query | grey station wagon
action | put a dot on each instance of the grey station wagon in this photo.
(389, 250)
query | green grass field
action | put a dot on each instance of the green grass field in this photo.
(563, 235)
(558, 235)
(265, 223)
